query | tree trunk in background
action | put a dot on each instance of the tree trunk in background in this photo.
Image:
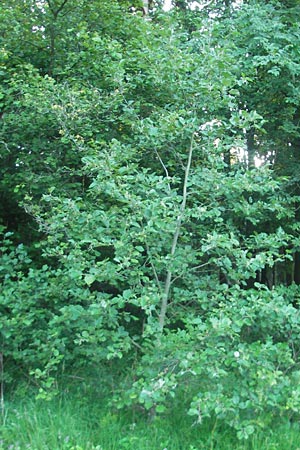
(147, 5)
(227, 159)
(250, 148)
(181, 4)
(297, 267)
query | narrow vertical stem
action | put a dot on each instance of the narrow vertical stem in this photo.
(168, 281)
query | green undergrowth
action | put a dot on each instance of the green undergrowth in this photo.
(71, 422)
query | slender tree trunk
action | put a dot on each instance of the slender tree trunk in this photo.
(227, 159)
(181, 4)
(297, 267)
(147, 5)
(168, 281)
(250, 148)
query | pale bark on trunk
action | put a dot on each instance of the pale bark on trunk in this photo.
(168, 281)
(146, 7)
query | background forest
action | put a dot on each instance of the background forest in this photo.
(149, 213)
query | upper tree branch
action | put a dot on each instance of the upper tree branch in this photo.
(54, 11)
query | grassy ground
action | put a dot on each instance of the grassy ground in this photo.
(81, 424)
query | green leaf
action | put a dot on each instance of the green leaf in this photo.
(89, 279)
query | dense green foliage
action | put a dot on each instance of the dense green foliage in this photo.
(150, 203)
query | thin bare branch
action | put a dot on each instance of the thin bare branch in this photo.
(50, 6)
(61, 7)
(54, 11)
(192, 268)
(153, 268)
(164, 167)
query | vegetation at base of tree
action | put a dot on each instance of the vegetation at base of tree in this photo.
(71, 422)
(149, 214)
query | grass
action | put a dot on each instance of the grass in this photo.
(87, 424)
